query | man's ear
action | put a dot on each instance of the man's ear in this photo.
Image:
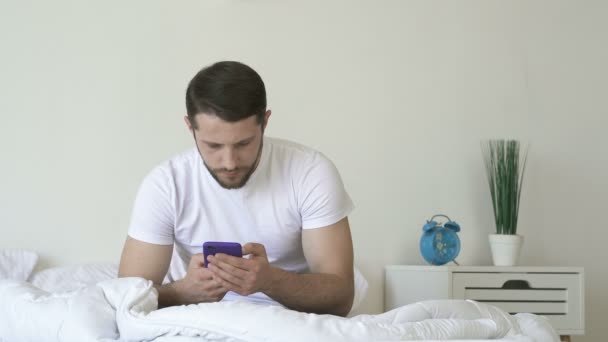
(188, 123)
(266, 117)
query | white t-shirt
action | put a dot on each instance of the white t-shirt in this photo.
(293, 188)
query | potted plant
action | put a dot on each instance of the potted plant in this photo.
(505, 168)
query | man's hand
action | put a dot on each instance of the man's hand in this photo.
(241, 275)
(327, 289)
(199, 285)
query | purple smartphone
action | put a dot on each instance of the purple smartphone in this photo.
(230, 248)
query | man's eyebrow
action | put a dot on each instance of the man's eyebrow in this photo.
(246, 140)
(238, 142)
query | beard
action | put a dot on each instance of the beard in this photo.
(246, 170)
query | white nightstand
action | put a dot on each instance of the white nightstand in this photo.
(555, 292)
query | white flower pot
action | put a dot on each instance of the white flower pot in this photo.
(505, 249)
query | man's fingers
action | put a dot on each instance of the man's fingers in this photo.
(224, 282)
(241, 263)
(202, 274)
(233, 274)
(255, 249)
(198, 260)
(213, 285)
(219, 292)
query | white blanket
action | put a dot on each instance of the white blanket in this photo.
(126, 309)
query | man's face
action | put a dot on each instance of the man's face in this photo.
(230, 150)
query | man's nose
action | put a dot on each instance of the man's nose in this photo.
(229, 161)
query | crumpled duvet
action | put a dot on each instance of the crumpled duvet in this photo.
(125, 309)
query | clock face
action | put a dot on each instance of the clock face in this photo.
(440, 246)
(446, 244)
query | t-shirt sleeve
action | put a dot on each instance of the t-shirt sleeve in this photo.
(323, 198)
(153, 216)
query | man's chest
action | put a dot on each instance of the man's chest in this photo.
(268, 217)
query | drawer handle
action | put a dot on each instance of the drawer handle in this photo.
(516, 285)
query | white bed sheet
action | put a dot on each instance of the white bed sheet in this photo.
(74, 277)
(127, 307)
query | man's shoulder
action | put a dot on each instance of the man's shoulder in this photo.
(184, 159)
(290, 150)
(177, 164)
(296, 157)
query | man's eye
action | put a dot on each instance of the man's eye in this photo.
(213, 146)
(243, 144)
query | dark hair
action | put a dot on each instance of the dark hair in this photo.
(231, 90)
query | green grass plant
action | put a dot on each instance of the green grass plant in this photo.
(505, 172)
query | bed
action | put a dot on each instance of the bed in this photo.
(35, 306)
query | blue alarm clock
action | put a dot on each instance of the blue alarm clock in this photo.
(439, 243)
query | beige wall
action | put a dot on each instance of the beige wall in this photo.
(397, 93)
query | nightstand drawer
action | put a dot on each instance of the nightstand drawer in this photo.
(557, 296)
(557, 293)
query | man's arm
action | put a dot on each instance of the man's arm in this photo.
(151, 261)
(328, 289)
(146, 260)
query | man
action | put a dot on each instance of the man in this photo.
(284, 202)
